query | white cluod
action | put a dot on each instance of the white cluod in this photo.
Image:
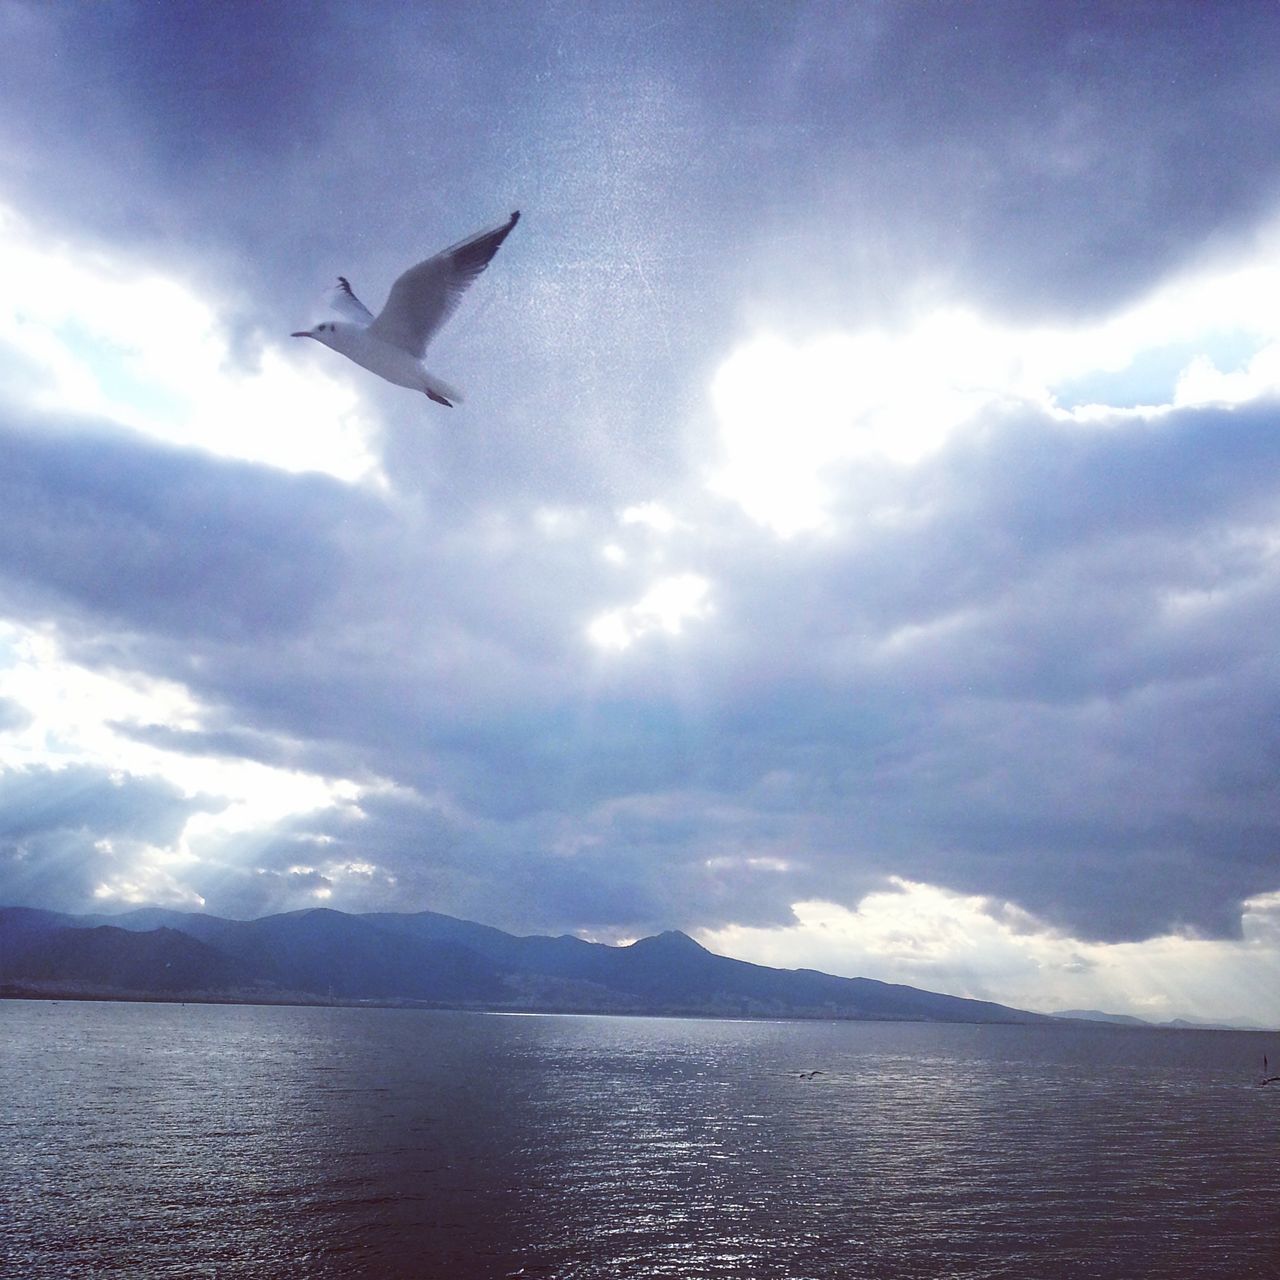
(393, 343)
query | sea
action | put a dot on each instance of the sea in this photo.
(148, 1140)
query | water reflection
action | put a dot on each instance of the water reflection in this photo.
(170, 1140)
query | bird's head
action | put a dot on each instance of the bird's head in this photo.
(325, 333)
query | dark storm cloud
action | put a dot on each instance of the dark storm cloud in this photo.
(404, 851)
(1052, 683)
(1055, 156)
(261, 166)
(270, 749)
(1057, 688)
(996, 697)
(165, 540)
(685, 172)
(1041, 158)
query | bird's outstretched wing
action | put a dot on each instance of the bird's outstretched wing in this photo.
(346, 304)
(425, 296)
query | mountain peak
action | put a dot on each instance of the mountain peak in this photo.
(385, 957)
(671, 940)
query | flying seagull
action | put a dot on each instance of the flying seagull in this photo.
(393, 343)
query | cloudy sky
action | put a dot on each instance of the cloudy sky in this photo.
(859, 547)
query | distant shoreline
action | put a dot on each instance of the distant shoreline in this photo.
(301, 1000)
(305, 1000)
(424, 960)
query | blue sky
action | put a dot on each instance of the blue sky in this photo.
(860, 545)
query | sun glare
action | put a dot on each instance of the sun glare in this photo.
(99, 337)
(76, 716)
(665, 607)
(789, 412)
(927, 935)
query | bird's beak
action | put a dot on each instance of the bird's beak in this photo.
(303, 334)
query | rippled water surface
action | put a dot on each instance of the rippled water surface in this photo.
(220, 1141)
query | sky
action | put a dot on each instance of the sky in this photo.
(859, 546)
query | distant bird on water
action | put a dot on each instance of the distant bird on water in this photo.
(393, 343)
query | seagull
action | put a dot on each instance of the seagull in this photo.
(393, 343)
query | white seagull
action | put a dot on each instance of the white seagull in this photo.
(393, 343)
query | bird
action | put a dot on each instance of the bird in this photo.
(392, 343)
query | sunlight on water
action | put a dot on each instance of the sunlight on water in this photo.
(165, 1140)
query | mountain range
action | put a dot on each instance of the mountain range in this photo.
(1177, 1024)
(424, 958)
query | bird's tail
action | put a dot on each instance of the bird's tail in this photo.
(441, 392)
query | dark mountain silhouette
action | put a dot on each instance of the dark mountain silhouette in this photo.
(429, 958)
(160, 960)
(329, 952)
